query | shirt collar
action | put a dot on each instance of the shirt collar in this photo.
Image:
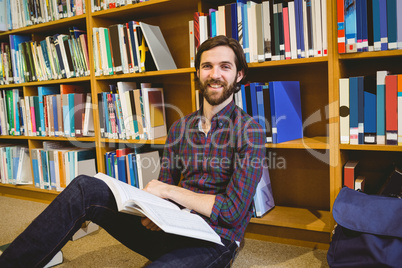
(225, 112)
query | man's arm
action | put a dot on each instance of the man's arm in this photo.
(201, 203)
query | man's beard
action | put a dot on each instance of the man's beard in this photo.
(212, 97)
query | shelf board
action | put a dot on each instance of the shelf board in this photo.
(159, 141)
(288, 62)
(29, 188)
(372, 54)
(304, 143)
(49, 138)
(147, 74)
(47, 26)
(373, 147)
(298, 218)
(146, 9)
(48, 82)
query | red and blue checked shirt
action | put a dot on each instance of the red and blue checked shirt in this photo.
(227, 162)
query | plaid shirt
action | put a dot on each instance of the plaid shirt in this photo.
(226, 162)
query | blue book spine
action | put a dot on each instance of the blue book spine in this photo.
(370, 113)
(383, 25)
(212, 18)
(243, 97)
(260, 105)
(350, 26)
(35, 169)
(359, 26)
(364, 26)
(46, 58)
(71, 114)
(354, 110)
(121, 168)
(135, 168)
(392, 24)
(44, 159)
(381, 106)
(233, 10)
(108, 131)
(301, 28)
(246, 46)
(273, 113)
(130, 168)
(16, 112)
(376, 25)
(360, 99)
(253, 96)
(16, 159)
(52, 173)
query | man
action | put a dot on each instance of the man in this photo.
(220, 150)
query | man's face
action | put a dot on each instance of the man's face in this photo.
(218, 75)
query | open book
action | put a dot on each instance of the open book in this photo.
(167, 215)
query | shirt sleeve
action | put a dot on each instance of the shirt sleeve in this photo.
(231, 207)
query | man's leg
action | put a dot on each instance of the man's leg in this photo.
(186, 252)
(86, 198)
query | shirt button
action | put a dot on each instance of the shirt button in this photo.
(220, 124)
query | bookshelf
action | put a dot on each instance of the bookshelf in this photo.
(306, 186)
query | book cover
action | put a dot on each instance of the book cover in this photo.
(370, 110)
(350, 171)
(148, 167)
(285, 111)
(383, 24)
(376, 25)
(263, 198)
(392, 24)
(355, 97)
(115, 47)
(391, 109)
(380, 75)
(267, 113)
(154, 108)
(350, 26)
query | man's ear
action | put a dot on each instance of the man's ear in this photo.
(198, 73)
(240, 75)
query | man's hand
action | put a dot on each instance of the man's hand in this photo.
(157, 188)
(150, 225)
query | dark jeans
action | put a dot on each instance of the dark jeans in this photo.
(88, 198)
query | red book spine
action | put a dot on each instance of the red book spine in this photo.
(341, 26)
(391, 109)
(286, 32)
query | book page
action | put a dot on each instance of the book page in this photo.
(180, 222)
(128, 195)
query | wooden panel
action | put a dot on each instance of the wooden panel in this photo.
(299, 218)
(299, 178)
(288, 236)
(28, 193)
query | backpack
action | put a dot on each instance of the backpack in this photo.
(368, 231)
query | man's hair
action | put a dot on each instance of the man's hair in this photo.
(221, 40)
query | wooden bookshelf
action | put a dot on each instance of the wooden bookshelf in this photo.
(306, 188)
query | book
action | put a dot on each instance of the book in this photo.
(154, 111)
(263, 198)
(381, 106)
(370, 110)
(391, 110)
(165, 214)
(344, 110)
(399, 109)
(285, 111)
(148, 167)
(350, 170)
